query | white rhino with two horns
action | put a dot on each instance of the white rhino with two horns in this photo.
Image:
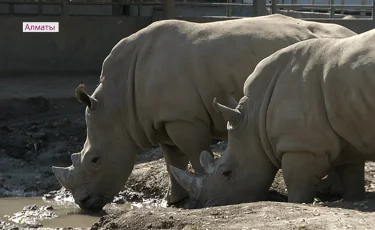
(156, 88)
(306, 109)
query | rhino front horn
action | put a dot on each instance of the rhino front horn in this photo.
(233, 116)
(192, 184)
(62, 174)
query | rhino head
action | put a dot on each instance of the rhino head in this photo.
(107, 158)
(242, 174)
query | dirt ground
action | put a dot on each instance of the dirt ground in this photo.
(38, 130)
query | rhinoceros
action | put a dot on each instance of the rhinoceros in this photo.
(156, 88)
(306, 108)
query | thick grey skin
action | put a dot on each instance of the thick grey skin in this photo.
(156, 89)
(307, 108)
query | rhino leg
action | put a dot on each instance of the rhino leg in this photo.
(346, 181)
(302, 173)
(352, 178)
(331, 185)
(174, 156)
(191, 138)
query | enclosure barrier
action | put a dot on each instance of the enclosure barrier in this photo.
(168, 6)
(83, 42)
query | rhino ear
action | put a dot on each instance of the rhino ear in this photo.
(233, 116)
(84, 97)
(207, 161)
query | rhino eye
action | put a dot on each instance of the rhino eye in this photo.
(227, 174)
(95, 160)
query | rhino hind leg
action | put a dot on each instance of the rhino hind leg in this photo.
(174, 156)
(331, 186)
(302, 172)
(352, 178)
(345, 181)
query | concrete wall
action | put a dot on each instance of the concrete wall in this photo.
(83, 42)
(80, 46)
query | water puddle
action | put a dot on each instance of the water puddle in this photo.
(50, 213)
(57, 209)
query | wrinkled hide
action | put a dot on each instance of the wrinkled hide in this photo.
(308, 108)
(156, 89)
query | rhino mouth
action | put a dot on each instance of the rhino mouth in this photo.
(92, 202)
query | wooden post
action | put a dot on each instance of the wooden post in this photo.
(40, 11)
(11, 8)
(260, 7)
(116, 9)
(168, 9)
(332, 13)
(65, 8)
(229, 9)
(363, 13)
(274, 6)
(313, 2)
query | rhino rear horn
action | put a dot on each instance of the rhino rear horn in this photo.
(207, 161)
(233, 116)
(192, 184)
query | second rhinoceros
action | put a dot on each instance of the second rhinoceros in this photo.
(156, 88)
(307, 108)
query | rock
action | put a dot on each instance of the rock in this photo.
(32, 128)
(40, 104)
(31, 188)
(4, 128)
(95, 226)
(39, 135)
(48, 196)
(32, 207)
(48, 207)
(15, 153)
(37, 146)
(118, 200)
(3, 152)
(33, 225)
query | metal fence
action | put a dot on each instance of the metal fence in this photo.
(168, 6)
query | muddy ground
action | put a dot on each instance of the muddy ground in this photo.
(38, 132)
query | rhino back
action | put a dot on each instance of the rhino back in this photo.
(321, 98)
(181, 66)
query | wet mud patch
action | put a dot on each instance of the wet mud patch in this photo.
(31, 216)
(35, 134)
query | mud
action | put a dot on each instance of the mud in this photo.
(38, 130)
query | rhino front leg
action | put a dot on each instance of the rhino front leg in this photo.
(302, 173)
(191, 138)
(174, 156)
